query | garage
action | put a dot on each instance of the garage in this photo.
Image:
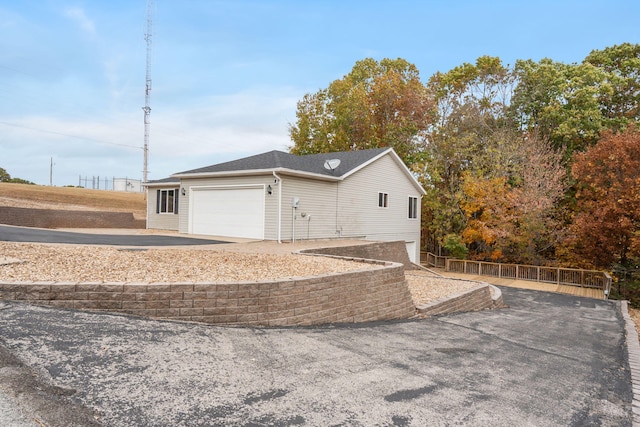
(236, 211)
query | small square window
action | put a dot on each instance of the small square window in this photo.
(383, 200)
(413, 207)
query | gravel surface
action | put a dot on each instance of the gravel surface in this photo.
(107, 264)
(66, 263)
(426, 287)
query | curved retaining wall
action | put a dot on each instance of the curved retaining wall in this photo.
(357, 296)
(475, 299)
(387, 251)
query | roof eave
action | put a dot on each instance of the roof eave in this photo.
(161, 184)
(254, 172)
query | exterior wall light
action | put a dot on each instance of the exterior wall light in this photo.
(183, 191)
(269, 190)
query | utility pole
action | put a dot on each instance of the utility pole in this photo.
(51, 173)
(147, 93)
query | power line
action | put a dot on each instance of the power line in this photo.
(68, 135)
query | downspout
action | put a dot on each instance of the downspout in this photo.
(279, 205)
(338, 230)
(146, 198)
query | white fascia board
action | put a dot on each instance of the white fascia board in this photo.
(283, 171)
(400, 163)
(161, 184)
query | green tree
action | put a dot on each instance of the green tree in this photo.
(620, 105)
(378, 104)
(561, 102)
(472, 135)
(4, 175)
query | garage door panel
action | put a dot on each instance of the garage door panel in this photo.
(233, 212)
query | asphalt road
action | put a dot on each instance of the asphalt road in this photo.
(38, 235)
(547, 360)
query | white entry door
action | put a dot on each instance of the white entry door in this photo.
(228, 211)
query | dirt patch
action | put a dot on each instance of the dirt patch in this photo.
(68, 198)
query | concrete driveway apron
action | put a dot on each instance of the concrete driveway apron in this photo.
(549, 359)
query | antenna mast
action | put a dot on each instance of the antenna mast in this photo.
(147, 94)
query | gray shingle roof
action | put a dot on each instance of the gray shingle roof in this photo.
(169, 180)
(312, 163)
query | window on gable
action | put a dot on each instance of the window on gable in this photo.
(167, 201)
(413, 207)
(383, 200)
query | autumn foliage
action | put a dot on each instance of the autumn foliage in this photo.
(606, 228)
(514, 217)
(533, 163)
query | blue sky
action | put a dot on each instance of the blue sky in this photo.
(226, 75)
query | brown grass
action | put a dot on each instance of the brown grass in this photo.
(57, 197)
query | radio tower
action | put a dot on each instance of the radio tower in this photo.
(147, 94)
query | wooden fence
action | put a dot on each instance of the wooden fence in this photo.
(561, 276)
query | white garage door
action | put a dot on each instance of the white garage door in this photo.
(231, 212)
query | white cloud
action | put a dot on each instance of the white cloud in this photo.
(217, 129)
(249, 122)
(80, 17)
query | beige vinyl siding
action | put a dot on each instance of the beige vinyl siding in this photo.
(347, 208)
(359, 214)
(160, 221)
(271, 201)
(316, 199)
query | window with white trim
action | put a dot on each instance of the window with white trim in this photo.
(383, 200)
(413, 207)
(167, 201)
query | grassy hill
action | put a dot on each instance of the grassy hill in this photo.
(68, 198)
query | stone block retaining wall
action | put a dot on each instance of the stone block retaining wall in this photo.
(387, 251)
(51, 218)
(478, 298)
(358, 296)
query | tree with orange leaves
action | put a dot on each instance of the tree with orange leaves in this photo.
(512, 212)
(606, 229)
